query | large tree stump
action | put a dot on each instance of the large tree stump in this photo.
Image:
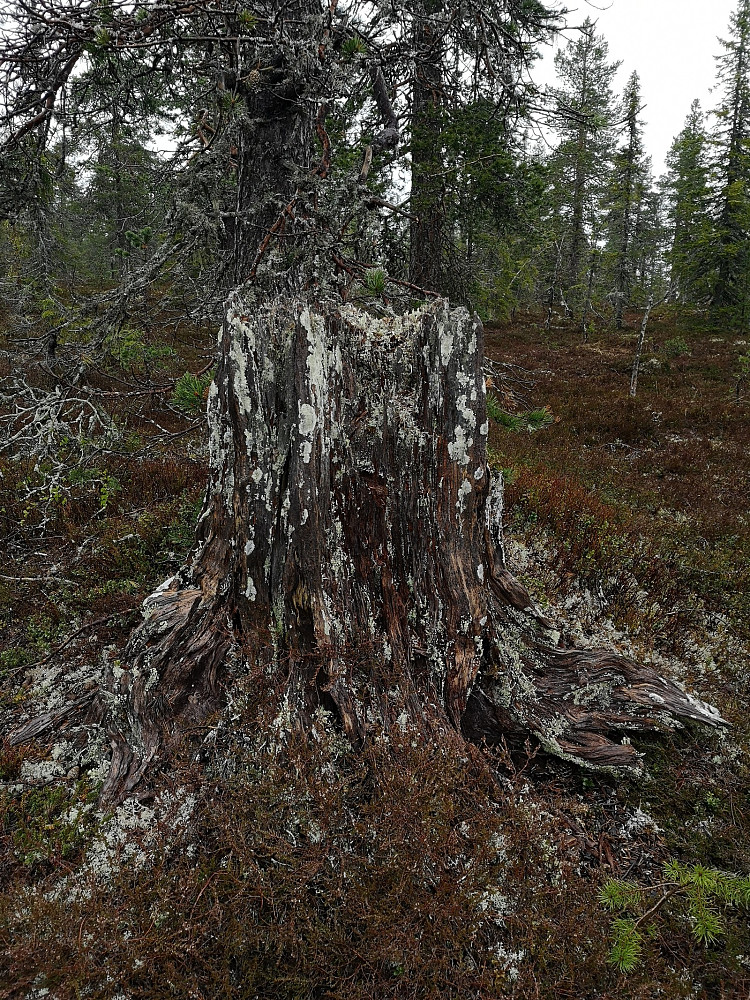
(350, 547)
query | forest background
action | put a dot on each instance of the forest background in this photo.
(616, 311)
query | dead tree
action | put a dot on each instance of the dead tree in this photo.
(349, 553)
(640, 342)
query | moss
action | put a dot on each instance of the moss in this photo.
(44, 827)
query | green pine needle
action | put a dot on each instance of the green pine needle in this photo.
(533, 420)
(626, 945)
(190, 390)
(617, 894)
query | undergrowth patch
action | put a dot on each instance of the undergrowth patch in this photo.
(408, 868)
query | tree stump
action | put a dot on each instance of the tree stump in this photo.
(350, 548)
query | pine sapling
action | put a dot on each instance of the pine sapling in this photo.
(704, 895)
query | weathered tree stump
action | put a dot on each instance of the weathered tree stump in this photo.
(350, 547)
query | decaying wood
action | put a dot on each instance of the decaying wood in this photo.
(350, 546)
(639, 345)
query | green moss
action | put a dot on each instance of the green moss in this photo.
(49, 825)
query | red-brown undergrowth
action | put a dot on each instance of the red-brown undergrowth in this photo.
(405, 870)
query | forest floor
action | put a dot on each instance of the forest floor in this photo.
(628, 521)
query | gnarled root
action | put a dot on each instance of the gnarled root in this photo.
(172, 677)
(578, 702)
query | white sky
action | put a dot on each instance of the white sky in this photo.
(670, 43)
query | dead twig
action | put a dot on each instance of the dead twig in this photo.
(71, 637)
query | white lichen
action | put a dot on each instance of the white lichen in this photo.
(466, 411)
(308, 420)
(458, 449)
(446, 344)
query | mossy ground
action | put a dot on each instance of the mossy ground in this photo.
(405, 870)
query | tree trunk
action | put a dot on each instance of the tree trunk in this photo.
(427, 236)
(275, 145)
(578, 235)
(639, 347)
(349, 554)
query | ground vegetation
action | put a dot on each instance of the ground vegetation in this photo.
(430, 642)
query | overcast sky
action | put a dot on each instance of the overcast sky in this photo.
(671, 44)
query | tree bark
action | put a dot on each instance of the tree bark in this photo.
(639, 347)
(427, 238)
(349, 554)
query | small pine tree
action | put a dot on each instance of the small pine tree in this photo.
(705, 895)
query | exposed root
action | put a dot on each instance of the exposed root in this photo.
(172, 678)
(580, 702)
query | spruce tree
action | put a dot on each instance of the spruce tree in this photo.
(688, 199)
(650, 240)
(468, 91)
(578, 166)
(626, 190)
(731, 168)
